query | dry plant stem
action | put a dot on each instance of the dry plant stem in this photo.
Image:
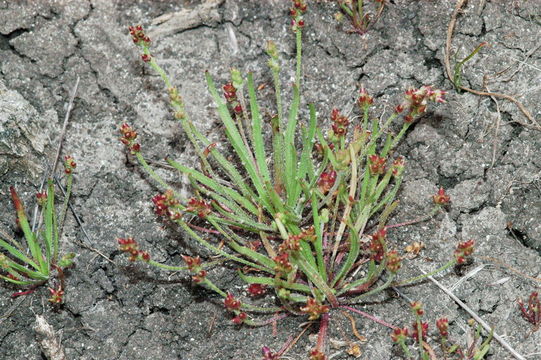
(368, 316)
(450, 29)
(16, 305)
(512, 269)
(353, 326)
(59, 148)
(477, 318)
(80, 224)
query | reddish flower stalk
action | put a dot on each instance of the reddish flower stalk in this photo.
(17, 203)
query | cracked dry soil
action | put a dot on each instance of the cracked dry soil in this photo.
(474, 146)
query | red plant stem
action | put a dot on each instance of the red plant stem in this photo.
(22, 293)
(322, 334)
(286, 345)
(202, 229)
(272, 319)
(371, 317)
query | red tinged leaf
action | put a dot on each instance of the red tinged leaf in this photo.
(16, 200)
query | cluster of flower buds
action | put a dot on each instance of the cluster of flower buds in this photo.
(296, 12)
(463, 250)
(166, 205)
(415, 332)
(140, 39)
(441, 198)
(130, 246)
(232, 304)
(417, 308)
(376, 164)
(200, 207)
(443, 327)
(128, 138)
(416, 101)
(315, 354)
(176, 103)
(533, 312)
(282, 263)
(399, 335)
(314, 309)
(326, 181)
(320, 150)
(57, 295)
(138, 35)
(69, 164)
(41, 198)
(376, 245)
(230, 93)
(394, 261)
(398, 166)
(256, 290)
(339, 124)
(194, 265)
(364, 101)
(293, 241)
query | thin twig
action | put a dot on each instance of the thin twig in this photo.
(59, 148)
(64, 126)
(477, 318)
(450, 29)
(80, 223)
(16, 305)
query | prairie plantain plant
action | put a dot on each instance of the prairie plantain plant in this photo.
(296, 209)
(34, 262)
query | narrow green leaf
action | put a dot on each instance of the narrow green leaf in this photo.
(306, 156)
(257, 132)
(264, 280)
(353, 253)
(238, 145)
(215, 186)
(289, 145)
(19, 255)
(48, 218)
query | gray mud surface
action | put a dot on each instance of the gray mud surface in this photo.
(477, 147)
